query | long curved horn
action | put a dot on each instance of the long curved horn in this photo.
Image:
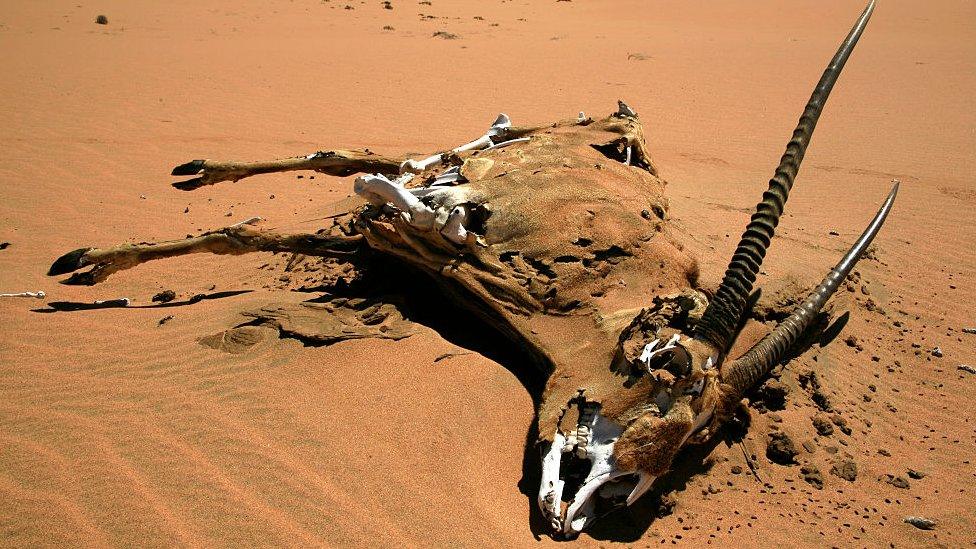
(752, 366)
(721, 319)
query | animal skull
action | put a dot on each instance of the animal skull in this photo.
(558, 235)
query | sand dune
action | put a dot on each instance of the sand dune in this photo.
(116, 429)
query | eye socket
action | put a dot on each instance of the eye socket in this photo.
(676, 360)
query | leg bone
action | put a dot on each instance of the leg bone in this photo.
(337, 162)
(235, 240)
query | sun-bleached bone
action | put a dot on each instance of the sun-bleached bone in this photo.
(38, 295)
(249, 221)
(504, 144)
(378, 190)
(501, 123)
(454, 227)
(623, 109)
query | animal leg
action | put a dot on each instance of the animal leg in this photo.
(235, 240)
(336, 162)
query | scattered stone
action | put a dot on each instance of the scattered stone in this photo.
(851, 341)
(841, 423)
(917, 475)
(387, 5)
(666, 505)
(966, 368)
(921, 523)
(845, 469)
(820, 399)
(822, 425)
(773, 394)
(812, 475)
(810, 446)
(165, 319)
(164, 296)
(884, 452)
(386, 28)
(969, 330)
(898, 482)
(775, 418)
(736, 470)
(937, 352)
(4, 245)
(446, 35)
(780, 449)
(101, 20)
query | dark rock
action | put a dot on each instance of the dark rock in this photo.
(666, 505)
(4, 245)
(773, 394)
(812, 475)
(810, 446)
(822, 425)
(821, 400)
(917, 475)
(898, 482)
(164, 296)
(780, 449)
(165, 319)
(736, 470)
(845, 469)
(841, 423)
(101, 20)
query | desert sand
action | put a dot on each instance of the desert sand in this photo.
(117, 429)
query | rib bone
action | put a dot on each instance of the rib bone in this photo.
(497, 129)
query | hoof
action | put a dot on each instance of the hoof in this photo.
(81, 279)
(190, 184)
(190, 168)
(71, 261)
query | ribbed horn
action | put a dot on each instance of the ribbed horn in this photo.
(721, 319)
(752, 366)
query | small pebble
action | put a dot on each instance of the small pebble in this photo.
(101, 20)
(937, 352)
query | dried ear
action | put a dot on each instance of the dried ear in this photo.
(651, 442)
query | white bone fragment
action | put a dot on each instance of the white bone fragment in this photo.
(453, 175)
(602, 470)
(379, 191)
(629, 151)
(454, 228)
(38, 295)
(582, 117)
(121, 302)
(504, 144)
(643, 485)
(501, 123)
(551, 488)
(249, 221)
(624, 110)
